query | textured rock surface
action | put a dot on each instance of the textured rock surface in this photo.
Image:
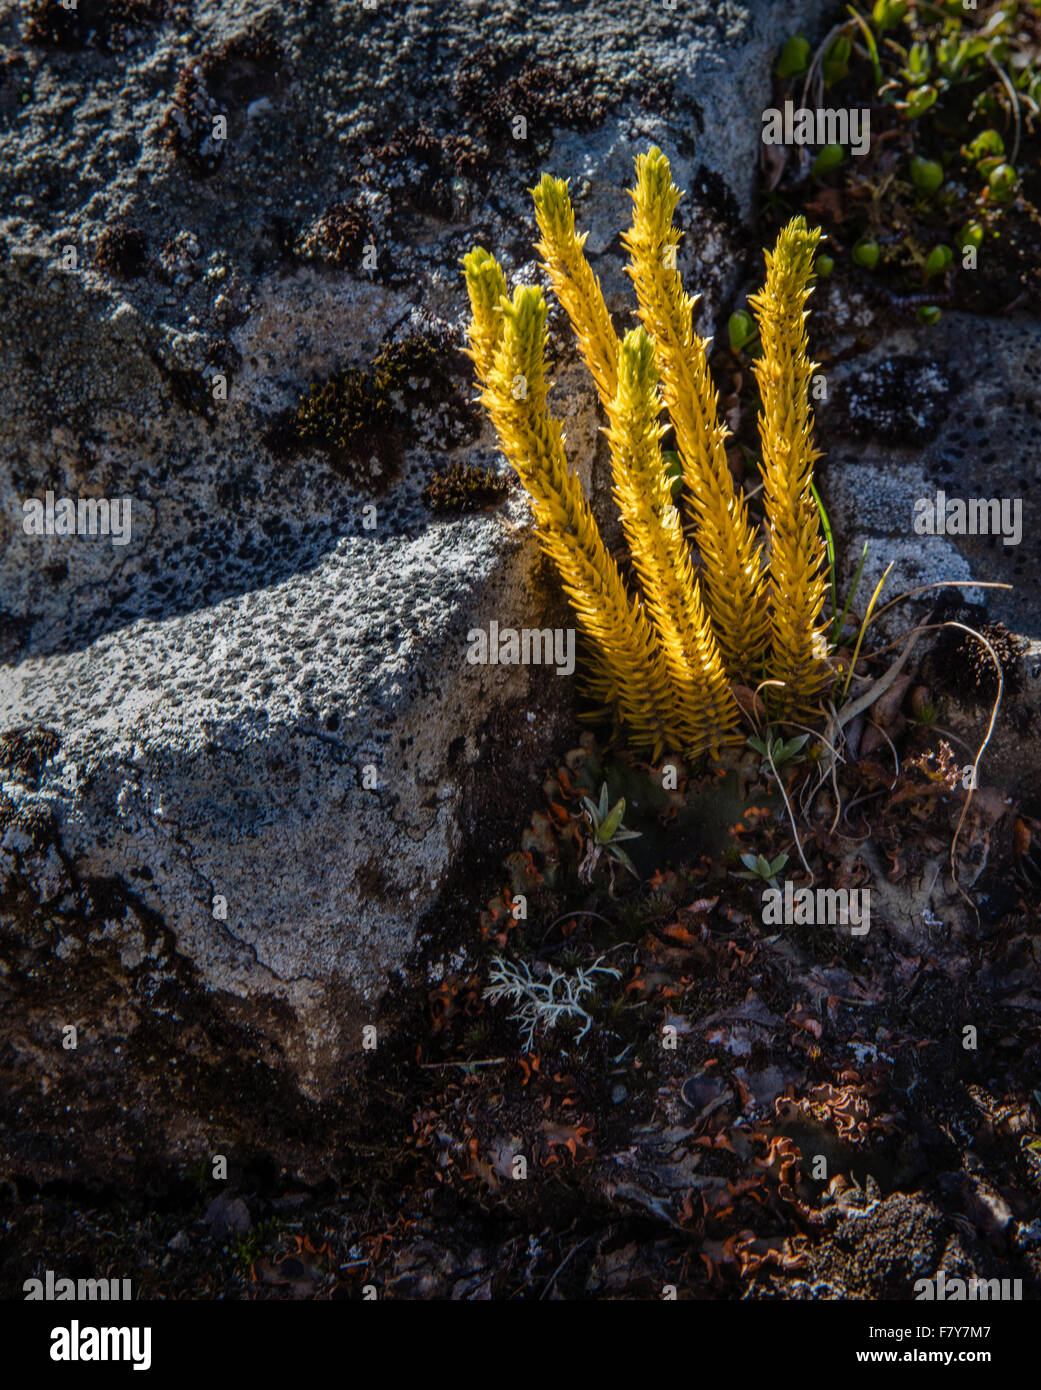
(219, 684)
(954, 409)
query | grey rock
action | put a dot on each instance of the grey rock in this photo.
(221, 683)
(962, 421)
(227, 1216)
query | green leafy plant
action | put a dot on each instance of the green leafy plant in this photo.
(777, 751)
(954, 95)
(759, 869)
(608, 834)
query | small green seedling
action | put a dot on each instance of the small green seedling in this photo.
(795, 57)
(971, 235)
(866, 253)
(830, 157)
(741, 328)
(887, 14)
(835, 66)
(938, 260)
(1002, 182)
(761, 869)
(777, 749)
(608, 832)
(926, 174)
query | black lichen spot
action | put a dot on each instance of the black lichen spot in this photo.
(14, 633)
(965, 665)
(122, 250)
(23, 752)
(371, 879)
(902, 400)
(192, 390)
(439, 167)
(362, 418)
(464, 488)
(492, 91)
(245, 68)
(191, 123)
(105, 24)
(337, 237)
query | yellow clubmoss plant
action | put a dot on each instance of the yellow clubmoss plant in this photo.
(665, 660)
(797, 552)
(633, 674)
(734, 590)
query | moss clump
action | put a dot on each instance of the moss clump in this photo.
(23, 752)
(439, 164)
(104, 24)
(348, 417)
(337, 237)
(973, 665)
(34, 820)
(189, 123)
(363, 417)
(122, 250)
(464, 488)
(244, 68)
(493, 90)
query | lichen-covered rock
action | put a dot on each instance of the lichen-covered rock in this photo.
(270, 749)
(929, 418)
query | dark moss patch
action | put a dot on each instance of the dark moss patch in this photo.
(122, 250)
(438, 164)
(493, 89)
(23, 752)
(349, 417)
(190, 125)
(903, 400)
(362, 418)
(464, 488)
(965, 667)
(106, 24)
(336, 238)
(34, 819)
(220, 82)
(247, 66)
